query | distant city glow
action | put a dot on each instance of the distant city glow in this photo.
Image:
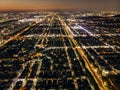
(58, 4)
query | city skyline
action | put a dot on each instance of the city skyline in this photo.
(58, 4)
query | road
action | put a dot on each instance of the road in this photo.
(18, 34)
(97, 77)
(53, 56)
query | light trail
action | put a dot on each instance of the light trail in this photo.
(81, 27)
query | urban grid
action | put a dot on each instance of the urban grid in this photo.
(60, 50)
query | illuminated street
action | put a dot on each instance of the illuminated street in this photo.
(60, 51)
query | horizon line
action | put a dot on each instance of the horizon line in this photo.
(54, 9)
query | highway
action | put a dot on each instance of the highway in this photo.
(97, 77)
(22, 31)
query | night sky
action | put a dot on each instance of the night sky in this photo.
(59, 4)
